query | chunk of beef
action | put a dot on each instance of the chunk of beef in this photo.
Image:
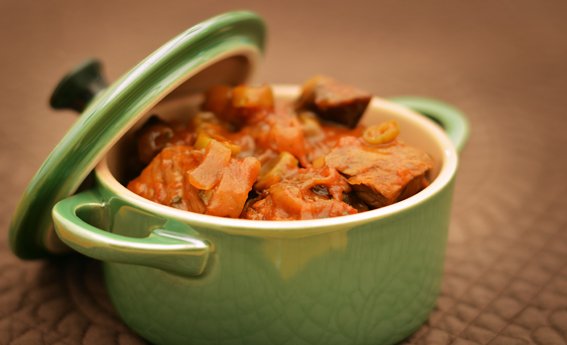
(353, 200)
(381, 175)
(333, 101)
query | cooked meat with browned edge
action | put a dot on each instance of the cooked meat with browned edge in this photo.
(381, 175)
(333, 101)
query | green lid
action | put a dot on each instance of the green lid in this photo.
(116, 109)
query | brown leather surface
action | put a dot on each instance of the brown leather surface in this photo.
(503, 63)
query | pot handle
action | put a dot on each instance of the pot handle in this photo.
(168, 248)
(78, 87)
(451, 119)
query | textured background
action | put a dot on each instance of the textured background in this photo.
(504, 63)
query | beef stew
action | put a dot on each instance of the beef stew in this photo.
(248, 155)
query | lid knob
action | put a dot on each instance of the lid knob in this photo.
(79, 87)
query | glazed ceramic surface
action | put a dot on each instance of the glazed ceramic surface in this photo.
(182, 278)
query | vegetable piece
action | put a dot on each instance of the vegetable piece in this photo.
(383, 133)
(209, 172)
(204, 139)
(318, 162)
(310, 124)
(152, 138)
(230, 195)
(203, 119)
(333, 101)
(246, 98)
(251, 104)
(275, 170)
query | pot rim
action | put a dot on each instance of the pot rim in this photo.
(445, 175)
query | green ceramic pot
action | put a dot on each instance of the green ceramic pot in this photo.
(182, 278)
(177, 277)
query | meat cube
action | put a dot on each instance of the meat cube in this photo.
(381, 175)
(333, 101)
